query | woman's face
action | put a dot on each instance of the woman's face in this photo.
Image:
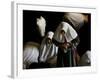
(62, 32)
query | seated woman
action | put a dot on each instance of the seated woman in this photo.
(66, 38)
(85, 59)
(48, 50)
(30, 54)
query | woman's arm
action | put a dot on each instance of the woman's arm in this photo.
(64, 45)
(56, 42)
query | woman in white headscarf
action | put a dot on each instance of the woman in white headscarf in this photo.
(48, 50)
(85, 60)
(76, 19)
(66, 38)
(30, 54)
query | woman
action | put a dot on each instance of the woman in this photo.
(30, 54)
(85, 59)
(66, 39)
(76, 19)
(48, 50)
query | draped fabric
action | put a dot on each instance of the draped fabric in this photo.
(76, 19)
(30, 54)
(41, 23)
(65, 56)
(85, 59)
(47, 50)
(70, 33)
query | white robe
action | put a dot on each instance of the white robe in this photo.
(47, 51)
(30, 54)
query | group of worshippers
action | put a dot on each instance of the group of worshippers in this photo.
(62, 43)
(59, 48)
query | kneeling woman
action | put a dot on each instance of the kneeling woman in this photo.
(48, 50)
(66, 38)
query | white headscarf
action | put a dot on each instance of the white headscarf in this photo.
(77, 19)
(47, 51)
(70, 33)
(30, 54)
(85, 59)
(41, 23)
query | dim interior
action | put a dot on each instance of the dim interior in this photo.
(32, 36)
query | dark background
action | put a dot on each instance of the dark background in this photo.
(31, 33)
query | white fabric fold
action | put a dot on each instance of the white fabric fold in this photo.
(30, 54)
(77, 19)
(70, 33)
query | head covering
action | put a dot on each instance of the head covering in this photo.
(50, 35)
(30, 54)
(47, 51)
(76, 19)
(41, 23)
(85, 59)
(70, 33)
